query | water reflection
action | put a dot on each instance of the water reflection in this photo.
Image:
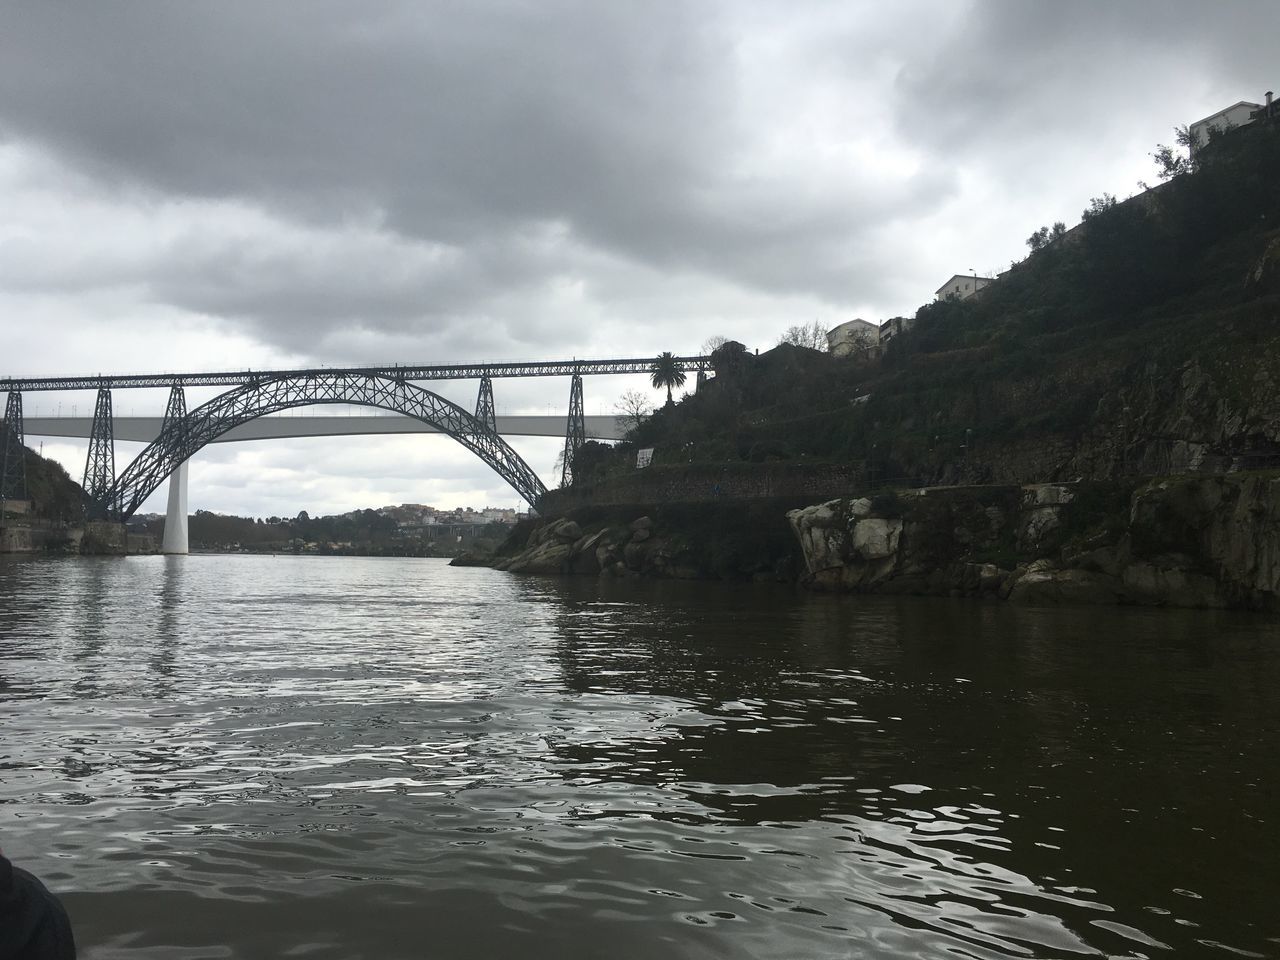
(330, 756)
(169, 624)
(1009, 727)
(89, 634)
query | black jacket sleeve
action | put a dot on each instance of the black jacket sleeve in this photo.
(33, 923)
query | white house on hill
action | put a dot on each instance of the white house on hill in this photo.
(852, 337)
(962, 287)
(1236, 115)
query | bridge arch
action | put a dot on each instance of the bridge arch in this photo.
(181, 438)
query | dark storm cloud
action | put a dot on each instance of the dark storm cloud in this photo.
(1013, 72)
(346, 177)
(459, 125)
(232, 183)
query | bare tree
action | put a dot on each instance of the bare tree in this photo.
(812, 335)
(712, 344)
(632, 408)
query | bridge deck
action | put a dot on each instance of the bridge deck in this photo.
(145, 429)
(448, 371)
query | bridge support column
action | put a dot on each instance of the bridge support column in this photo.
(175, 520)
(13, 457)
(100, 464)
(575, 430)
(485, 411)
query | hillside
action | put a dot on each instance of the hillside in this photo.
(1144, 342)
(54, 495)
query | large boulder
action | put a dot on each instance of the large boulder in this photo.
(566, 531)
(1171, 586)
(822, 534)
(550, 556)
(876, 539)
(1046, 585)
(1041, 515)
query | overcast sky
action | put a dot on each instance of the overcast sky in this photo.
(210, 185)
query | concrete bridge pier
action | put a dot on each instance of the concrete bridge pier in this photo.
(175, 521)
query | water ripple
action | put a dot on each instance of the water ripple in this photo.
(263, 757)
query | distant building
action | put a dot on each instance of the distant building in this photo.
(853, 338)
(1236, 115)
(894, 327)
(1268, 111)
(962, 287)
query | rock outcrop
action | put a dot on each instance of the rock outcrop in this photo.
(1188, 541)
(561, 546)
(737, 541)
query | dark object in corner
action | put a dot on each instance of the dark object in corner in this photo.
(33, 923)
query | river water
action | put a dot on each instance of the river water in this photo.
(265, 757)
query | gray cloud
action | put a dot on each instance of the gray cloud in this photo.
(1016, 72)
(469, 133)
(213, 185)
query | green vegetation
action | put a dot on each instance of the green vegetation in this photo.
(360, 532)
(1059, 369)
(666, 372)
(53, 493)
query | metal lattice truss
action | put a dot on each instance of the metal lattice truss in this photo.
(175, 411)
(179, 439)
(486, 413)
(100, 464)
(448, 371)
(13, 457)
(575, 432)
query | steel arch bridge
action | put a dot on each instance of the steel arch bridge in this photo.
(183, 435)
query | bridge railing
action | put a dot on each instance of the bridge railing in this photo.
(450, 371)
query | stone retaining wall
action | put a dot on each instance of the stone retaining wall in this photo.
(710, 483)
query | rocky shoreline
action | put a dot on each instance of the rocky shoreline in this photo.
(92, 538)
(1187, 542)
(1175, 541)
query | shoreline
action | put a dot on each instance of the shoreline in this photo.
(1186, 541)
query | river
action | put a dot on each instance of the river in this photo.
(266, 757)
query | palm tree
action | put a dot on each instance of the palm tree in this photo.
(666, 372)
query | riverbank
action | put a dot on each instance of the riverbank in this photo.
(92, 538)
(726, 539)
(1174, 541)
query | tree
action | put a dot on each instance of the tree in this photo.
(590, 461)
(666, 372)
(1044, 236)
(712, 344)
(812, 336)
(1169, 163)
(1175, 161)
(632, 408)
(1098, 206)
(728, 358)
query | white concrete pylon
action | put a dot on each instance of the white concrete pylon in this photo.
(175, 521)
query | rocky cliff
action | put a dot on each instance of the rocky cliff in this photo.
(743, 540)
(1186, 541)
